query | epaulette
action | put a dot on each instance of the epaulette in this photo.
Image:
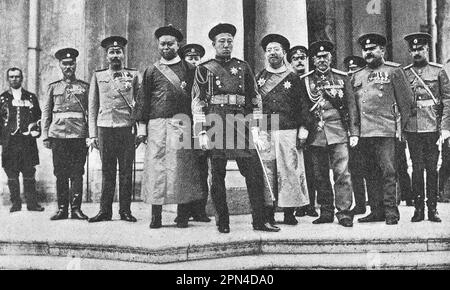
(238, 60)
(339, 72)
(436, 64)
(54, 82)
(83, 82)
(206, 61)
(100, 70)
(408, 67)
(358, 70)
(392, 64)
(307, 74)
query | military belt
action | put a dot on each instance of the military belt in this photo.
(228, 100)
(68, 115)
(425, 103)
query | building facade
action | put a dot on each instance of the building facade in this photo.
(33, 30)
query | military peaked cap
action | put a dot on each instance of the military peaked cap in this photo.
(192, 49)
(114, 41)
(67, 53)
(296, 50)
(416, 40)
(371, 40)
(354, 61)
(319, 47)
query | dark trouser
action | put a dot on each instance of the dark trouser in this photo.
(404, 179)
(251, 169)
(198, 207)
(29, 185)
(379, 159)
(17, 158)
(309, 172)
(444, 172)
(358, 173)
(338, 156)
(116, 146)
(424, 155)
(69, 157)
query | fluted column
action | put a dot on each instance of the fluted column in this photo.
(202, 15)
(283, 17)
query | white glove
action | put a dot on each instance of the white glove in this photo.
(203, 141)
(445, 134)
(354, 140)
(259, 143)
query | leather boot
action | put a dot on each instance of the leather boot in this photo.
(29, 186)
(419, 215)
(77, 198)
(61, 214)
(101, 217)
(300, 211)
(62, 194)
(156, 217)
(289, 218)
(14, 189)
(270, 215)
(433, 214)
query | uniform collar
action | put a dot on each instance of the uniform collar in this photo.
(175, 60)
(322, 73)
(420, 64)
(279, 70)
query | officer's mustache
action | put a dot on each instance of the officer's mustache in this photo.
(417, 57)
(370, 56)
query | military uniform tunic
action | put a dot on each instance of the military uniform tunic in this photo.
(228, 87)
(383, 96)
(333, 106)
(64, 122)
(422, 130)
(112, 102)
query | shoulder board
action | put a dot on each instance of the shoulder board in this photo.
(83, 82)
(307, 74)
(408, 67)
(392, 64)
(100, 70)
(237, 59)
(339, 72)
(127, 68)
(357, 71)
(54, 83)
(436, 64)
(207, 61)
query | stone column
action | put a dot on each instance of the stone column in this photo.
(368, 16)
(202, 15)
(406, 18)
(283, 17)
(443, 31)
(13, 53)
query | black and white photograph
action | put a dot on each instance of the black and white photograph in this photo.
(240, 138)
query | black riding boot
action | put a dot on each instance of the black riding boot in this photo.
(156, 217)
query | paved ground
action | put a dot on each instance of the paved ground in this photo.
(35, 228)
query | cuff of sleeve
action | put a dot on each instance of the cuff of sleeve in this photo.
(142, 129)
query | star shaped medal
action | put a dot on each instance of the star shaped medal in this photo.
(183, 85)
(234, 71)
(287, 85)
(261, 82)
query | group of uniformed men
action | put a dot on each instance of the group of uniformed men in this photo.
(289, 128)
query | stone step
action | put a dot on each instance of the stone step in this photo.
(357, 261)
(216, 250)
